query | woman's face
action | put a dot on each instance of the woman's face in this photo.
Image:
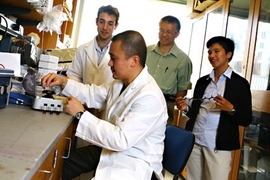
(217, 56)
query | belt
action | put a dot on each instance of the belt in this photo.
(169, 97)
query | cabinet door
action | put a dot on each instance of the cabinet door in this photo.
(44, 172)
(62, 146)
(51, 168)
(255, 154)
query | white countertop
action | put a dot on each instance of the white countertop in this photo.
(26, 138)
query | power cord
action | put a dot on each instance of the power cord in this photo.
(6, 28)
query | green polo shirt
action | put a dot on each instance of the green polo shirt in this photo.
(172, 71)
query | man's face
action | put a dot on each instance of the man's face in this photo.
(120, 66)
(106, 25)
(167, 33)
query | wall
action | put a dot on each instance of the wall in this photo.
(140, 15)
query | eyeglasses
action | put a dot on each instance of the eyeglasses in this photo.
(167, 32)
(201, 99)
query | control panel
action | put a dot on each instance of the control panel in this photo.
(48, 104)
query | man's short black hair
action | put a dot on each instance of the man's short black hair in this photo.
(132, 43)
(172, 20)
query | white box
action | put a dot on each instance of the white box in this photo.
(11, 61)
(49, 58)
(42, 72)
(47, 65)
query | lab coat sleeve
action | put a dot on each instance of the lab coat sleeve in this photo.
(142, 116)
(87, 93)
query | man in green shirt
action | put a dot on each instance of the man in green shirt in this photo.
(168, 64)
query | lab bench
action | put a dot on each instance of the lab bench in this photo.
(33, 143)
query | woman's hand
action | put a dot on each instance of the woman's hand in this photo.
(223, 104)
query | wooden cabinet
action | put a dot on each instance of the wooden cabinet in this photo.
(51, 168)
(255, 154)
(48, 40)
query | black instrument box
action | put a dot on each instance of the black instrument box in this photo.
(5, 86)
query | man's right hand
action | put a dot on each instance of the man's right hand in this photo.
(53, 79)
(181, 103)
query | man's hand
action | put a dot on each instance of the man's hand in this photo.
(74, 106)
(53, 79)
(181, 103)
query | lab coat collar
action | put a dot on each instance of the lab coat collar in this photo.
(138, 82)
(90, 50)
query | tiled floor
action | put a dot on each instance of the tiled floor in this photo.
(168, 176)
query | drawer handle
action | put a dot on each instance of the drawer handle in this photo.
(47, 172)
(69, 148)
(55, 158)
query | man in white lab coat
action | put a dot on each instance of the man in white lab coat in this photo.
(90, 65)
(131, 136)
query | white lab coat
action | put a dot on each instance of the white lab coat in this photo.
(85, 68)
(132, 134)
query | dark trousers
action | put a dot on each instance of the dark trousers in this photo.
(81, 160)
(170, 108)
(154, 177)
(170, 101)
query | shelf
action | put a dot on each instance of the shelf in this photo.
(201, 6)
(32, 14)
(197, 7)
(250, 168)
(254, 144)
(29, 15)
(11, 28)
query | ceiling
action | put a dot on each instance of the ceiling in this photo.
(239, 8)
(177, 1)
(237, 3)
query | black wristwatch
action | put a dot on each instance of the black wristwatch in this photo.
(79, 115)
(232, 112)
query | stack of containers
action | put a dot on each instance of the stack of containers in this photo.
(47, 64)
